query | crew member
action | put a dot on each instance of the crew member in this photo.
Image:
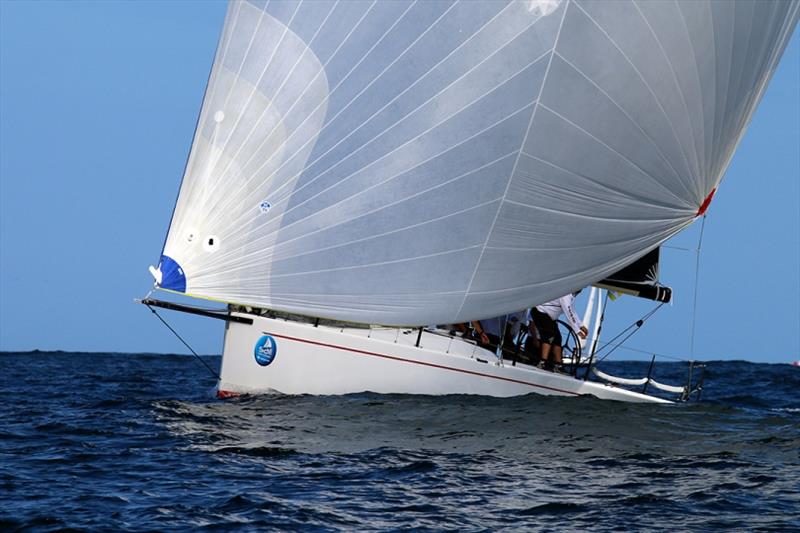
(544, 317)
(488, 331)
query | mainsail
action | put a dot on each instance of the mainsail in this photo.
(432, 162)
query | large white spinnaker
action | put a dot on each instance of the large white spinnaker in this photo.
(434, 162)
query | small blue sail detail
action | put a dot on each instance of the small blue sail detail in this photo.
(172, 276)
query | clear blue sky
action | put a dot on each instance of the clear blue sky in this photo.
(98, 103)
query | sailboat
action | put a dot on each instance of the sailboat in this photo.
(361, 170)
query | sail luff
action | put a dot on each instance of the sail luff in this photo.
(224, 33)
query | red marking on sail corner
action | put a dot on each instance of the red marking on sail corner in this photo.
(706, 203)
(224, 394)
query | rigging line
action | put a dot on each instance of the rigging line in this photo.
(599, 329)
(638, 324)
(213, 372)
(628, 336)
(679, 248)
(696, 283)
(657, 354)
(609, 343)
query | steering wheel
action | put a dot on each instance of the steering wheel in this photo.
(570, 347)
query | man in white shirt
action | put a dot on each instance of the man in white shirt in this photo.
(544, 317)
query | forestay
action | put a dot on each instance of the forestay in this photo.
(433, 162)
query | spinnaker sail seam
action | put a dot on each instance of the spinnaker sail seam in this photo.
(372, 265)
(389, 155)
(189, 156)
(619, 192)
(640, 220)
(280, 200)
(279, 89)
(274, 256)
(638, 126)
(788, 27)
(614, 151)
(332, 119)
(514, 169)
(242, 265)
(648, 86)
(701, 139)
(210, 170)
(245, 183)
(417, 164)
(573, 273)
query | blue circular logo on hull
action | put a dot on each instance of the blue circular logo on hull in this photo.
(266, 350)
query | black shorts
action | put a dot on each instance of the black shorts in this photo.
(546, 327)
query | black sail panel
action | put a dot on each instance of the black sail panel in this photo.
(640, 278)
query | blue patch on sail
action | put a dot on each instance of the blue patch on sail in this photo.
(172, 276)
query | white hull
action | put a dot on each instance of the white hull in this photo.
(328, 360)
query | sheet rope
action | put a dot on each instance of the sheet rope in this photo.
(213, 372)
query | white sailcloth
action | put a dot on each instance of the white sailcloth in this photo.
(433, 162)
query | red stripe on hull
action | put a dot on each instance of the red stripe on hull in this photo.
(434, 365)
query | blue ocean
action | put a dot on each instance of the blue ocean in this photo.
(133, 442)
